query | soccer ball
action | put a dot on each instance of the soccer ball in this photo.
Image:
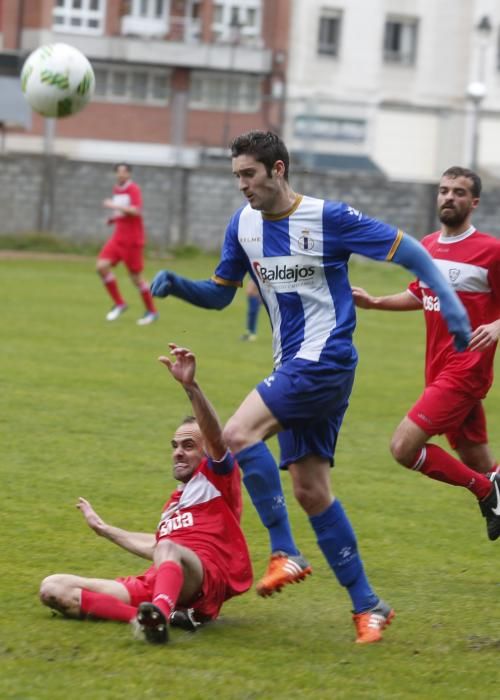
(57, 80)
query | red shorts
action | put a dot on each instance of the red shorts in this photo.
(207, 603)
(130, 255)
(442, 411)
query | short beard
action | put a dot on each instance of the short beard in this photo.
(451, 217)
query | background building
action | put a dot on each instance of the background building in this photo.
(375, 99)
(405, 87)
(175, 79)
(409, 86)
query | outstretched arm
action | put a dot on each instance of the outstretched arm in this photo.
(139, 543)
(205, 293)
(404, 301)
(413, 256)
(183, 370)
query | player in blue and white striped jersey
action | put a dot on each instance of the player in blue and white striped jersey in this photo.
(296, 249)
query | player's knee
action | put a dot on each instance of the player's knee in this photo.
(56, 592)
(102, 268)
(51, 590)
(310, 497)
(166, 550)
(235, 436)
(402, 452)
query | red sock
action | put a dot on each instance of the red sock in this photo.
(434, 462)
(168, 584)
(112, 286)
(147, 297)
(106, 607)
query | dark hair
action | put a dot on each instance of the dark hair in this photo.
(188, 419)
(123, 165)
(265, 146)
(457, 171)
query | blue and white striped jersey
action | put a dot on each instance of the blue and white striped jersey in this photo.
(299, 262)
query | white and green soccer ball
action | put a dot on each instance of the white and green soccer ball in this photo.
(57, 80)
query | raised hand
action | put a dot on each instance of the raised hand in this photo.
(184, 367)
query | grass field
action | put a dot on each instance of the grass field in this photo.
(87, 410)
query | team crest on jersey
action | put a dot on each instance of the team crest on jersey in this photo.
(305, 241)
(454, 274)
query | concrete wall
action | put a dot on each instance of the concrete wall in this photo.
(192, 207)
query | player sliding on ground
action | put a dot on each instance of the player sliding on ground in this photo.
(455, 383)
(199, 552)
(296, 249)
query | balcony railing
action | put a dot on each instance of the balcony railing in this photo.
(181, 29)
(188, 30)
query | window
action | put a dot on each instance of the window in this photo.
(237, 21)
(159, 87)
(149, 18)
(400, 41)
(329, 32)
(150, 9)
(138, 85)
(223, 92)
(79, 16)
(330, 128)
(118, 84)
(101, 78)
(193, 21)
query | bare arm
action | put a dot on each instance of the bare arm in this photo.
(139, 543)
(404, 301)
(183, 370)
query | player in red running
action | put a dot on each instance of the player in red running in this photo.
(125, 245)
(199, 551)
(455, 383)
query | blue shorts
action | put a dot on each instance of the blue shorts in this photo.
(309, 400)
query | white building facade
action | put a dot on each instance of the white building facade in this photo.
(412, 86)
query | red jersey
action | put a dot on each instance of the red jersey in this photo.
(129, 229)
(204, 515)
(471, 264)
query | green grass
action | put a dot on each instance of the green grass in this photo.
(46, 243)
(85, 409)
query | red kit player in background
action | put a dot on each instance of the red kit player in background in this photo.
(125, 245)
(200, 557)
(455, 383)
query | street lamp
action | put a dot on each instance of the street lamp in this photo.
(476, 90)
(235, 28)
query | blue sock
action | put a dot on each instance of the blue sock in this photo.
(337, 541)
(262, 480)
(253, 308)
